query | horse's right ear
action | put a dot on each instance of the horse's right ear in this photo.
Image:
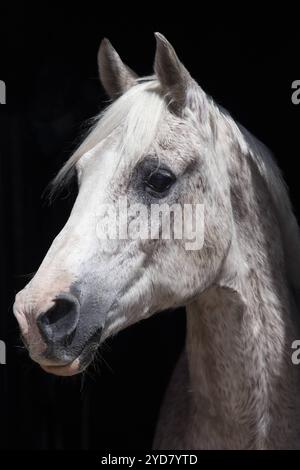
(115, 76)
(175, 79)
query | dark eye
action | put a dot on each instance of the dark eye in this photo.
(159, 181)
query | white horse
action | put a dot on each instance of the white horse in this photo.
(164, 141)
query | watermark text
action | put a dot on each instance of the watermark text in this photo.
(2, 353)
(2, 92)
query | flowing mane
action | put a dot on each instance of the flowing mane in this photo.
(137, 114)
(266, 165)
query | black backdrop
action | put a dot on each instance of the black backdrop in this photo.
(48, 62)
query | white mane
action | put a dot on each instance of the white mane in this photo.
(136, 115)
(286, 218)
(268, 169)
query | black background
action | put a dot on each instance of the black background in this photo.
(48, 61)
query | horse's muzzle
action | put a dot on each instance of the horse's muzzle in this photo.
(62, 338)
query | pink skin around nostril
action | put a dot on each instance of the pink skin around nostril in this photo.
(22, 320)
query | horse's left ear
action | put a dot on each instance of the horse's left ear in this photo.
(173, 76)
(116, 77)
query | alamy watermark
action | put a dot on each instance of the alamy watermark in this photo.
(122, 221)
(296, 94)
(2, 92)
(296, 353)
(2, 353)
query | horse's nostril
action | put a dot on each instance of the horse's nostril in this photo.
(60, 321)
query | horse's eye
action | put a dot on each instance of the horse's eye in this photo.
(160, 181)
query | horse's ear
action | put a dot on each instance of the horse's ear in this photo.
(172, 74)
(116, 77)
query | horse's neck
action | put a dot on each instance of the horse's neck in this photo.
(244, 386)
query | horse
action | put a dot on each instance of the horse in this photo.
(161, 141)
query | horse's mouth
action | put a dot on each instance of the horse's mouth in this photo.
(79, 364)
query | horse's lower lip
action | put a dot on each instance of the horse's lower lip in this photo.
(78, 365)
(65, 370)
